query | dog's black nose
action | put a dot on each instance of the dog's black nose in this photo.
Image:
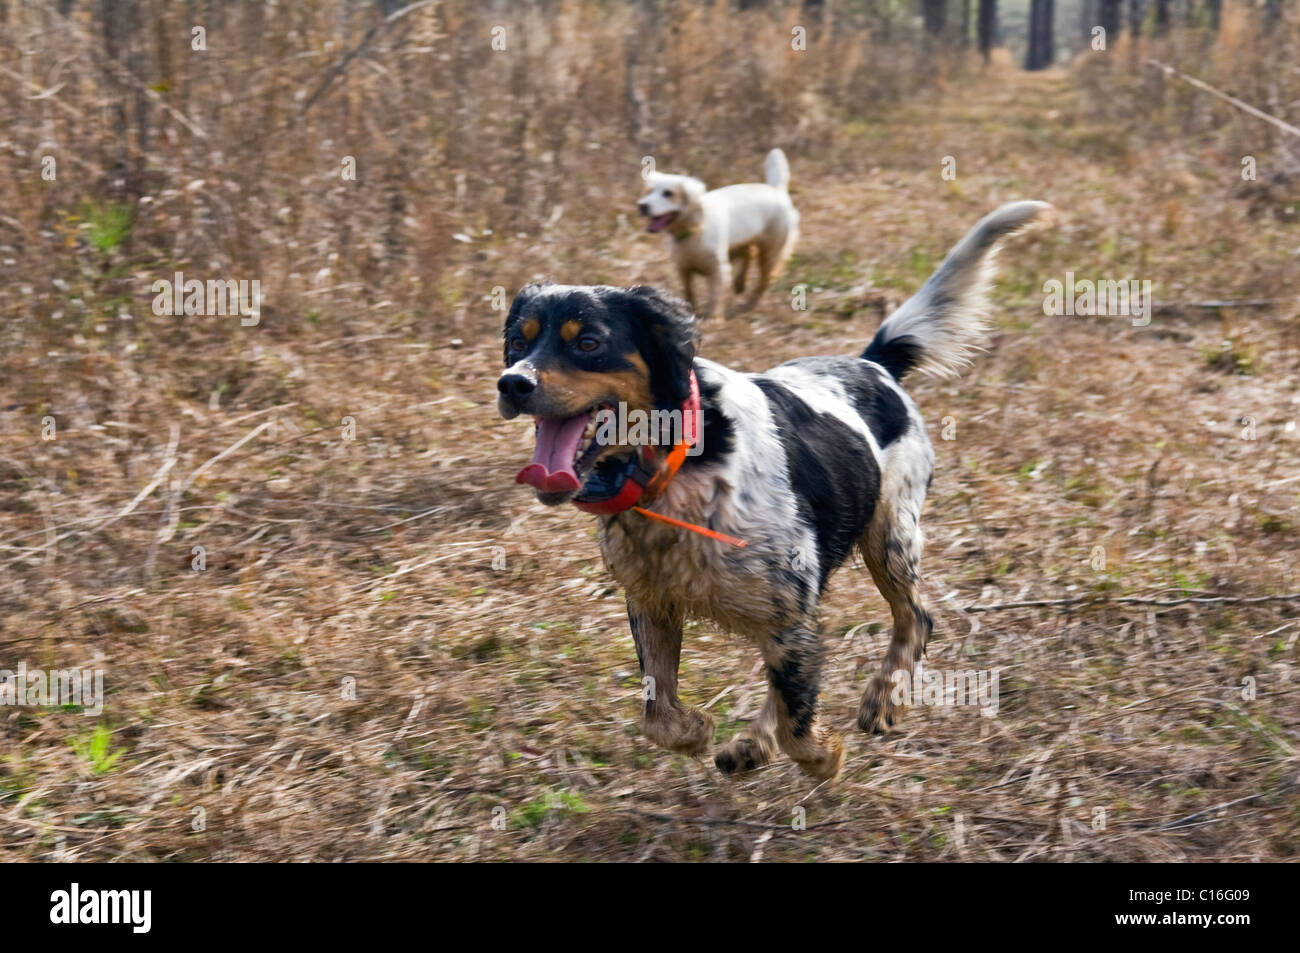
(643, 208)
(515, 387)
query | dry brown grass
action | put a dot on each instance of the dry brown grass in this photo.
(514, 687)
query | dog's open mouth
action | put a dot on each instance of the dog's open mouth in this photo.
(566, 449)
(659, 222)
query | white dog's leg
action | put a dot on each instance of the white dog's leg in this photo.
(688, 289)
(739, 267)
(719, 279)
(766, 270)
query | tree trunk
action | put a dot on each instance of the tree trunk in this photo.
(1040, 35)
(1214, 8)
(1108, 17)
(116, 155)
(1137, 11)
(1162, 17)
(965, 24)
(935, 13)
(987, 26)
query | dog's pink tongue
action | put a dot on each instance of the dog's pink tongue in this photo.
(557, 445)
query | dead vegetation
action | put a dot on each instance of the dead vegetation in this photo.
(391, 645)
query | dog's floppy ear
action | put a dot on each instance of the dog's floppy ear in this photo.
(666, 337)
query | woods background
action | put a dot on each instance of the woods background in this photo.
(199, 525)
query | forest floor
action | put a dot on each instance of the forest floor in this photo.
(394, 652)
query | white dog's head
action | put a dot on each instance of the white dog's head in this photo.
(671, 199)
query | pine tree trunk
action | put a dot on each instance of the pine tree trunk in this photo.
(987, 26)
(1040, 35)
(935, 13)
(1108, 17)
(1214, 8)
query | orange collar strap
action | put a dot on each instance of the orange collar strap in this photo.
(631, 493)
(691, 433)
(693, 527)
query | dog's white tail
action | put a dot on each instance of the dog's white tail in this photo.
(778, 170)
(938, 327)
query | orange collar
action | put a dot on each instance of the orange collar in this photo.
(691, 428)
(676, 457)
(631, 494)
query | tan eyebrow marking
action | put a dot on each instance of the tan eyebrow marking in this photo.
(637, 361)
(569, 330)
(530, 328)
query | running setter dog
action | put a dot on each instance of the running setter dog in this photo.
(742, 516)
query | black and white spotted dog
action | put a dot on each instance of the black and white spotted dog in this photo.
(803, 463)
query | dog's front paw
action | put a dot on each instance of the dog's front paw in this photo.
(686, 730)
(697, 734)
(878, 713)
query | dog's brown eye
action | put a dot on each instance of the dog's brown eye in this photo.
(668, 193)
(516, 344)
(588, 344)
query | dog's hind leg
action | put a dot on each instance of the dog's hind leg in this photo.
(739, 267)
(794, 660)
(765, 275)
(892, 550)
(772, 253)
(665, 720)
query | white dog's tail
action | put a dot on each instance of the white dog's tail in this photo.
(778, 170)
(938, 327)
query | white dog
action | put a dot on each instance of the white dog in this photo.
(715, 232)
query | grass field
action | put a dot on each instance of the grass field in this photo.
(393, 652)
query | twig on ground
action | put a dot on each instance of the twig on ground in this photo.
(337, 69)
(1161, 307)
(1209, 810)
(1132, 600)
(168, 462)
(1233, 100)
(731, 822)
(173, 520)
